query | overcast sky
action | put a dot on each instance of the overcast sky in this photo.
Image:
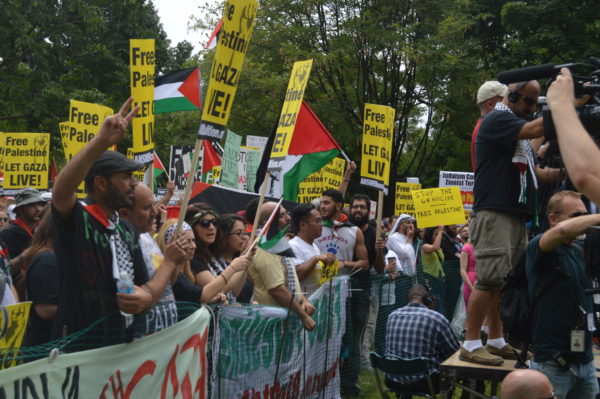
(175, 15)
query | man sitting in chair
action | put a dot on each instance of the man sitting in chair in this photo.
(416, 330)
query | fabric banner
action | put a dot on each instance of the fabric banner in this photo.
(142, 61)
(234, 37)
(168, 364)
(435, 206)
(464, 181)
(404, 202)
(289, 113)
(329, 176)
(25, 160)
(256, 363)
(378, 134)
(229, 163)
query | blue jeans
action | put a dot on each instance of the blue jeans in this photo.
(566, 386)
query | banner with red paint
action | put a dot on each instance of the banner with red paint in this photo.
(168, 364)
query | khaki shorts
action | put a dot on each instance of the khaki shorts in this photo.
(498, 239)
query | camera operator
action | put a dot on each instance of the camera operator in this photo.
(503, 198)
(579, 152)
(562, 314)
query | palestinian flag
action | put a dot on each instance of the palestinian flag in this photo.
(312, 146)
(177, 91)
(212, 41)
(210, 160)
(158, 168)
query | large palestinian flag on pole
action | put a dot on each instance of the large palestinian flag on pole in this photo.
(312, 146)
(177, 91)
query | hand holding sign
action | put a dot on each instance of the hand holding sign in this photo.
(114, 127)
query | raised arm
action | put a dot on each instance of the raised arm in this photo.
(111, 132)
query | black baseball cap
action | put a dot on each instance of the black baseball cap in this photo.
(111, 162)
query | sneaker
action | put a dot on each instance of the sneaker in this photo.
(508, 352)
(480, 356)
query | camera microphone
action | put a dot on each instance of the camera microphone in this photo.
(531, 73)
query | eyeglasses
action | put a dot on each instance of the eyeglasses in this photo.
(236, 233)
(4, 220)
(205, 223)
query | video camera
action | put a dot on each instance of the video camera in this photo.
(589, 114)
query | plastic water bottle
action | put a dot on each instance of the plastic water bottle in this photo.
(125, 284)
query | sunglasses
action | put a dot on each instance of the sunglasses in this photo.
(529, 101)
(4, 220)
(576, 214)
(205, 223)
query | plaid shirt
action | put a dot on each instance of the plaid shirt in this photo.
(416, 331)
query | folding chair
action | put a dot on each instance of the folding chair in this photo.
(400, 366)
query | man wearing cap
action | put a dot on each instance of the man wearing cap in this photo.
(504, 197)
(401, 242)
(93, 245)
(488, 95)
(17, 236)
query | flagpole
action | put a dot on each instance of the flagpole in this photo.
(379, 215)
(344, 155)
(188, 186)
(261, 200)
(151, 182)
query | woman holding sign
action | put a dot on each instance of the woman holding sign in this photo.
(432, 258)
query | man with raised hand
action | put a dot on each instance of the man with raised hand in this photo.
(93, 245)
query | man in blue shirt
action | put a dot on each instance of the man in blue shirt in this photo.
(416, 330)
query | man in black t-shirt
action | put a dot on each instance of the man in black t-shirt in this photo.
(503, 192)
(93, 246)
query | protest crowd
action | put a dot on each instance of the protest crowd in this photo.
(125, 262)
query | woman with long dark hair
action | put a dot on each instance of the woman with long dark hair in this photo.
(205, 266)
(41, 282)
(432, 258)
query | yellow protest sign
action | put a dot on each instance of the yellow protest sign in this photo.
(329, 176)
(234, 36)
(84, 123)
(434, 206)
(141, 63)
(404, 202)
(289, 113)
(378, 134)
(138, 174)
(328, 272)
(26, 157)
(14, 327)
(2, 150)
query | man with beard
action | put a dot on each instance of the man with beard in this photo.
(17, 236)
(347, 243)
(94, 246)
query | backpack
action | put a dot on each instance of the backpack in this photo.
(515, 308)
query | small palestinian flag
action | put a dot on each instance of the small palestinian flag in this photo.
(177, 91)
(158, 169)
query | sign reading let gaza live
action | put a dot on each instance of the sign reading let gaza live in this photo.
(238, 22)
(24, 159)
(142, 60)
(378, 133)
(289, 113)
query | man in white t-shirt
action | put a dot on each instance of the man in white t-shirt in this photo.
(307, 224)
